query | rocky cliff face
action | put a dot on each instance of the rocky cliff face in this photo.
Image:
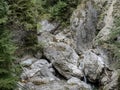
(74, 58)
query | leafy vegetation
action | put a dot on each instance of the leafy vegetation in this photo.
(19, 14)
(22, 13)
(114, 43)
(23, 17)
(57, 10)
(7, 80)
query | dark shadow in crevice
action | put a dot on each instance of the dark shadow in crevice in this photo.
(44, 57)
(58, 75)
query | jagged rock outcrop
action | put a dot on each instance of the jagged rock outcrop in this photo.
(83, 23)
(113, 82)
(64, 59)
(75, 55)
(92, 65)
(40, 69)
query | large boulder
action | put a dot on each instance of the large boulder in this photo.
(64, 59)
(41, 68)
(92, 65)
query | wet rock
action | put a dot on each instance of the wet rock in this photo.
(64, 59)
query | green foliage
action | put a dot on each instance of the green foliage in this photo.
(37, 48)
(113, 40)
(58, 10)
(3, 11)
(23, 13)
(7, 80)
(7, 83)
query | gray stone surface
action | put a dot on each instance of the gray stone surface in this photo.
(64, 59)
(83, 22)
(45, 25)
(113, 83)
(92, 65)
(40, 68)
(77, 84)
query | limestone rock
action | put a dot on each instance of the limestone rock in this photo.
(113, 84)
(46, 26)
(92, 65)
(39, 68)
(77, 84)
(83, 22)
(46, 38)
(64, 59)
(27, 61)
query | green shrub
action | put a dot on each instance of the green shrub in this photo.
(7, 80)
(57, 11)
(113, 38)
(23, 13)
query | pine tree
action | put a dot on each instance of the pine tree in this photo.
(7, 80)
